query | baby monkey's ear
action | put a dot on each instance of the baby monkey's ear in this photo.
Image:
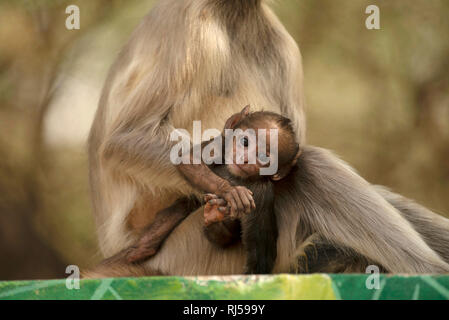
(236, 118)
(283, 172)
(295, 159)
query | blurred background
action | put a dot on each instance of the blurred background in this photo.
(378, 98)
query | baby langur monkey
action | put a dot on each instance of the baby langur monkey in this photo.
(259, 229)
(259, 140)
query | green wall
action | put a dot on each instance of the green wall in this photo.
(296, 287)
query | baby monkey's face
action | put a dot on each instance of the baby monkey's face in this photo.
(260, 144)
(251, 151)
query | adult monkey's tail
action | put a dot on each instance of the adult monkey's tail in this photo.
(433, 227)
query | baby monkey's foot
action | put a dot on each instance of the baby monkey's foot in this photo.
(216, 209)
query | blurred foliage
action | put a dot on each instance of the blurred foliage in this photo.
(45, 221)
(379, 98)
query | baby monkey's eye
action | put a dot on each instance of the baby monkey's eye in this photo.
(263, 158)
(244, 142)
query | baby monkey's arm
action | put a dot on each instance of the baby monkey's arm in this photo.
(200, 176)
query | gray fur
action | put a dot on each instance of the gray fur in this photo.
(433, 227)
(188, 60)
(336, 203)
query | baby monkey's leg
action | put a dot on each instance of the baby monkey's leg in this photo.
(154, 235)
(215, 210)
(220, 229)
(258, 231)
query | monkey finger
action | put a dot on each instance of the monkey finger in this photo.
(232, 206)
(253, 204)
(238, 201)
(233, 213)
(209, 196)
(224, 209)
(219, 202)
(245, 196)
(248, 195)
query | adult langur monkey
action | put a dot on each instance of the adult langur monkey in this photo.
(203, 60)
(188, 60)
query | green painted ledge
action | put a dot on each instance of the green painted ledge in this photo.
(277, 287)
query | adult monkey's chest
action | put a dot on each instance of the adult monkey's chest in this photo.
(249, 80)
(256, 75)
(243, 62)
(258, 55)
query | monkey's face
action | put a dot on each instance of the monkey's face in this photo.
(248, 155)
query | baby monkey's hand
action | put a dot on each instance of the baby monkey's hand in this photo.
(239, 200)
